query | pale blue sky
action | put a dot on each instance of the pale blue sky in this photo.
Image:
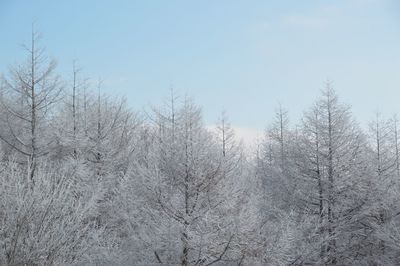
(241, 56)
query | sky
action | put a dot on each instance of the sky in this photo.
(242, 57)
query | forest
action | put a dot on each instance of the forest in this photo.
(84, 180)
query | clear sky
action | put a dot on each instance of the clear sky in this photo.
(244, 57)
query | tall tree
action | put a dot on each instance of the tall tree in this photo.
(187, 174)
(341, 155)
(32, 89)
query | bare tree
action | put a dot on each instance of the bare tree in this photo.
(32, 89)
(186, 175)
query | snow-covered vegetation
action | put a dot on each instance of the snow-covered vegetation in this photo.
(84, 180)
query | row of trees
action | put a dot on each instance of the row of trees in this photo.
(339, 183)
(86, 181)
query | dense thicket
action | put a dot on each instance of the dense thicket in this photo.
(86, 181)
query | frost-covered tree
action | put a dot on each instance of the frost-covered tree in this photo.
(335, 169)
(187, 183)
(47, 225)
(29, 93)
